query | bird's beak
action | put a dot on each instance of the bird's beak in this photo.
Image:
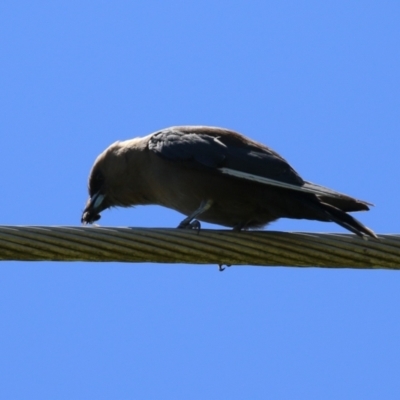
(94, 206)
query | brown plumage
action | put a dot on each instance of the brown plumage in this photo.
(213, 175)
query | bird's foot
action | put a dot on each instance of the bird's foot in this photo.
(240, 227)
(195, 224)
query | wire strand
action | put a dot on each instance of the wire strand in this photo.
(266, 248)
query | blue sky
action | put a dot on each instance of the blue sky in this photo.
(316, 81)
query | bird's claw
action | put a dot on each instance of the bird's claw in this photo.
(195, 224)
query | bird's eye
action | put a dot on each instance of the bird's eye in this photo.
(96, 182)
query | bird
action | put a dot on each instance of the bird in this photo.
(214, 175)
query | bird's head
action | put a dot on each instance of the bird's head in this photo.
(105, 182)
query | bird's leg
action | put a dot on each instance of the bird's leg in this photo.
(239, 227)
(188, 222)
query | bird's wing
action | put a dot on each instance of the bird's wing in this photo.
(231, 154)
(221, 150)
(195, 150)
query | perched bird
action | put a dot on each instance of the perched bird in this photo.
(214, 175)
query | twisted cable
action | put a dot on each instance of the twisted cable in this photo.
(266, 248)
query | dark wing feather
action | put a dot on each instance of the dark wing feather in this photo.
(339, 200)
(230, 153)
(219, 148)
(196, 150)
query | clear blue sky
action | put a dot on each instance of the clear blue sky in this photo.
(318, 81)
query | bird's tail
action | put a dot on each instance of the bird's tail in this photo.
(337, 199)
(347, 221)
